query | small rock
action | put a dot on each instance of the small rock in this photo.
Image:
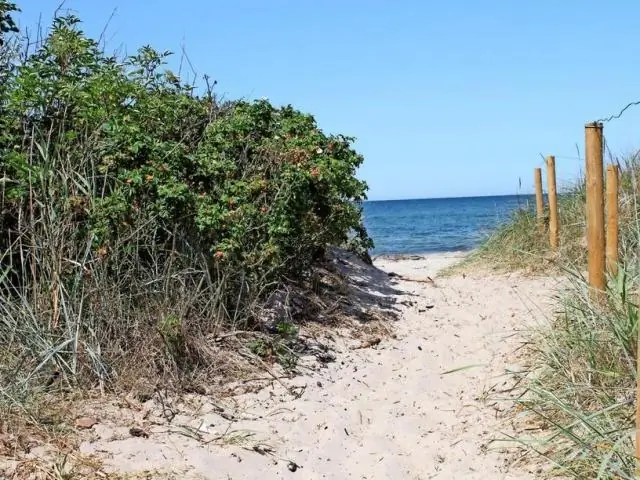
(86, 422)
(320, 384)
(292, 466)
(138, 432)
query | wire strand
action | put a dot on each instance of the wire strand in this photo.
(612, 117)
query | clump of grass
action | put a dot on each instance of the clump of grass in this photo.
(514, 244)
(579, 387)
(522, 242)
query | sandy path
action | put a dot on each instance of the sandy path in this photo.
(377, 413)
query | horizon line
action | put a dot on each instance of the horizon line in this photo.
(449, 197)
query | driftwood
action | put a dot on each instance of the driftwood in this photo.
(407, 279)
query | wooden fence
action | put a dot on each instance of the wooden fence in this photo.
(602, 244)
(602, 232)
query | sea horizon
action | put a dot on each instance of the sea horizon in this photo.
(409, 199)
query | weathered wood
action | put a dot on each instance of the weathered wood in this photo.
(595, 208)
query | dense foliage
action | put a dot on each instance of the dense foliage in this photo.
(131, 202)
(7, 23)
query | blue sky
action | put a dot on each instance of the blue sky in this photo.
(447, 98)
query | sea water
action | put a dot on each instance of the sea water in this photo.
(437, 224)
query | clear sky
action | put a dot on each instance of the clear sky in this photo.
(447, 98)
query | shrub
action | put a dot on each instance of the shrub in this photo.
(6, 20)
(139, 216)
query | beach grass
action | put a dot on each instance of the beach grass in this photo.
(576, 396)
(522, 242)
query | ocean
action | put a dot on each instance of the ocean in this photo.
(437, 224)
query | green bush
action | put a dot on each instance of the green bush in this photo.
(128, 196)
(6, 20)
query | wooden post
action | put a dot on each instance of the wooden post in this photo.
(537, 175)
(553, 202)
(612, 220)
(595, 208)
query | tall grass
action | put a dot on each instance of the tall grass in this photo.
(579, 387)
(90, 318)
(523, 242)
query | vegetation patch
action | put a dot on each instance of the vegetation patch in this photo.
(143, 221)
(576, 396)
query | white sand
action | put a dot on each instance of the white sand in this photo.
(388, 412)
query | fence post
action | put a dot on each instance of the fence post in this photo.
(553, 202)
(537, 175)
(612, 220)
(595, 208)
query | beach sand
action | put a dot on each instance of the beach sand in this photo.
(389, 411)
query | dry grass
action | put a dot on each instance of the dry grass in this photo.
(308, 314)
(578, 390)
